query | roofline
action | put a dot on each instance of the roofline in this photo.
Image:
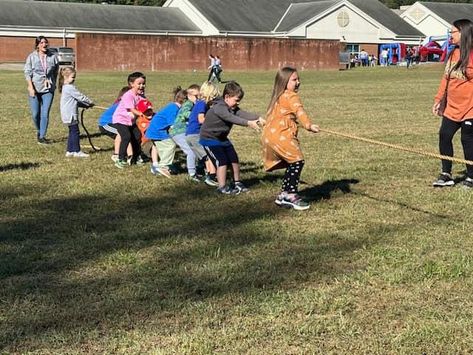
(356, 10)
(71, 30)
(283, 16)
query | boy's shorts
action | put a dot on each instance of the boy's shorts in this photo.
(109, 130)
(146, 148)
(193, 142)
(222, 154)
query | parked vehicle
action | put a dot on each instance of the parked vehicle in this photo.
(65, 55)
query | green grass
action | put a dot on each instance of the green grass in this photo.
(94, 259)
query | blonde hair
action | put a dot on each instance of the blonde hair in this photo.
(63, 74)
(280, 85)
(209, 91)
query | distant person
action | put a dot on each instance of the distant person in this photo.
(373, 60)
(385, 57)
(281, 149)
(364, 58)
(71, 100)
(41, 69)
(409, 57)
(457, 85)
(211, 67)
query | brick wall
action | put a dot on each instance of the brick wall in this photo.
(156, 53)
(16, 49)
(103, 52)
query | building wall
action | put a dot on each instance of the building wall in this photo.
(425, 21)
(16, 49)
(355, 29)
(133, 52)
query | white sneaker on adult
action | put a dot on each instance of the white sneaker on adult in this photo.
(70, 154)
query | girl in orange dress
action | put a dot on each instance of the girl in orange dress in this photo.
(280, 144)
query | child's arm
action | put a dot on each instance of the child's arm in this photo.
(222, 112)
(83, 100)
(301, 116)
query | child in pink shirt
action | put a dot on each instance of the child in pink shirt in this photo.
(125, 115)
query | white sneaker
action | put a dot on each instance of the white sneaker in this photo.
(70, 154)
(114, 158)
(154, 170)
(81, 154)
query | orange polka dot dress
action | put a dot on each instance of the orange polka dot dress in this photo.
(280, 143)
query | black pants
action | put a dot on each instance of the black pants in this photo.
(128, 134)
(446, 133)
(290, 182)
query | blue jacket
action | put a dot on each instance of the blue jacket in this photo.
(106, 117)
(158, 129)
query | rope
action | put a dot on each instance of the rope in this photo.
(86, 131)
(398, 147)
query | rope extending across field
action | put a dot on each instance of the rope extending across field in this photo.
(383, 144)
(398, 147)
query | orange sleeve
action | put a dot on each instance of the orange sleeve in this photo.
(441, 89)
(297, 107)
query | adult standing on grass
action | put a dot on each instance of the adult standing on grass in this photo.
(41, 69)
(457, 85)
(280, 144)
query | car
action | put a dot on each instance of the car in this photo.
(65, 55)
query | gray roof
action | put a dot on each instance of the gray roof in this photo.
(450, 11)
(242, 15)
(303, 12)
(263, 15)
(79, 16)
(387, 17)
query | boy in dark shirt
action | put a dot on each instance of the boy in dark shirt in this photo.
(219, 120)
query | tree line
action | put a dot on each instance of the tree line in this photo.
(394, 4)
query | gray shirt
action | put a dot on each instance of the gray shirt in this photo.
(38, 72)
(71, 100)
(220, 119)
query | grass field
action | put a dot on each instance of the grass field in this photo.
(94, 259)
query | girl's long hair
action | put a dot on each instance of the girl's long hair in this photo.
(280, 85)
(465, 27)
(64, 73)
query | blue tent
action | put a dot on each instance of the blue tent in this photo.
(394, 49)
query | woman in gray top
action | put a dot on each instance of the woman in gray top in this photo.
(40, 72)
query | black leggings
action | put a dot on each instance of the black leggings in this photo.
(290, 182)
(128, 134)
(446, 133)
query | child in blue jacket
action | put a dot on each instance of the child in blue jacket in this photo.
(158, 133)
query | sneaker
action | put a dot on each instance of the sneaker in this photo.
(195, 178)
(164, 172)
(114, 158)
(121, 164)
(81, 154)
(467, 183)
(154, 170)
(444, 179)
(211, 181)
(70, 154)
(227, 190)
(129, 160)
(292, 201)
(242, 188)
(139, 161)
(44, 141)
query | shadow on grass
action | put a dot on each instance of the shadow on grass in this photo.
(18, 166)
(113, 262)
(327, 189)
